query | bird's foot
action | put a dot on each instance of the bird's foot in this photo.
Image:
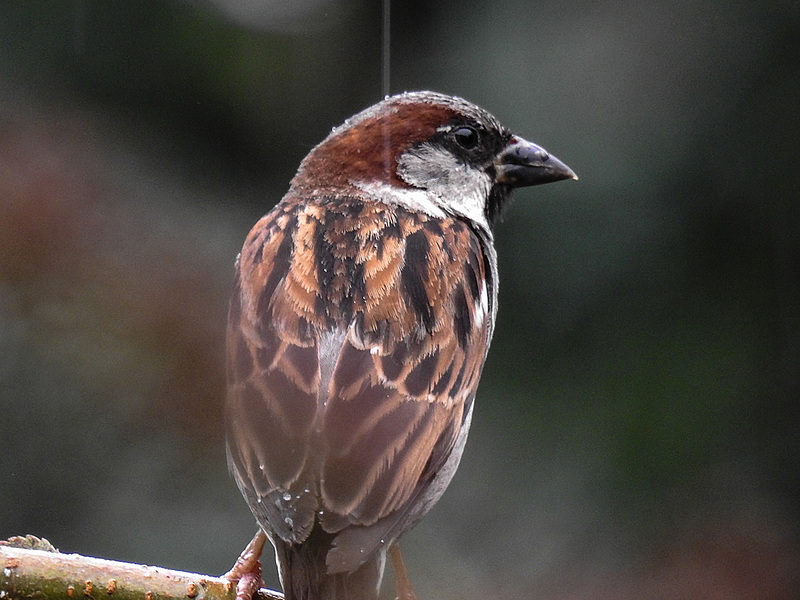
(402, 584)
(246, 571)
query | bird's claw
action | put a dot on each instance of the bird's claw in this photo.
(246, 571)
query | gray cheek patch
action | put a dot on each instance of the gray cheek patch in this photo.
(453, 185)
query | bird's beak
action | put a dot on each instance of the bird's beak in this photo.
(523, 163)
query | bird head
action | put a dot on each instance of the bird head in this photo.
(427, 151)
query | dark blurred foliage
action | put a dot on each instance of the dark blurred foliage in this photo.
(636, 432)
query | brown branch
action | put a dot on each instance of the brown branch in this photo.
(42, 574)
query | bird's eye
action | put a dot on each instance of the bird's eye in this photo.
(466, 137)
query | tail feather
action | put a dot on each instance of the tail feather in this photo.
(304, 574)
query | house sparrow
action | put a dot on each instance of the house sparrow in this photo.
(362, 312)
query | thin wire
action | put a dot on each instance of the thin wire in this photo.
(386, 47)
(385, 72)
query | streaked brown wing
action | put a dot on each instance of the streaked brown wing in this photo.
(355, 343)
(269, 418)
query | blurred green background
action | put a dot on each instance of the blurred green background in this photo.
(636, 432)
